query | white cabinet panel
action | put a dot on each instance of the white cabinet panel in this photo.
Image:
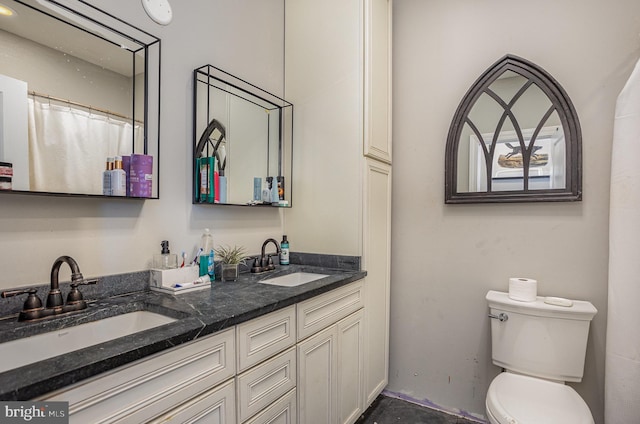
(377, 79)
(376, 260)
(350, 372)
(265, 336)
(317, 382)
(265, 383)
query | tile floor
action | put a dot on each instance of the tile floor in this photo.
(388, 410)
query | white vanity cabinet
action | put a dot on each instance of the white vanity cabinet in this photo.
(330, 360)
(300, 364)
(179, 381)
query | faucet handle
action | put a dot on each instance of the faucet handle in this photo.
(74, 295)
(256, 265)
(270, 265)
(85, 283)
(32, 302)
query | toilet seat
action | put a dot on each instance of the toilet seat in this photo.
(520, 399)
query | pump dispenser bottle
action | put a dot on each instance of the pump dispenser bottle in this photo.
(118, 178)
(106, 177)
(206, 255)
(165, 259)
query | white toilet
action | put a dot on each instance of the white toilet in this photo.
(540, 346)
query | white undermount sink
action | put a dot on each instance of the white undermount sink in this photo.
(293, 279)
(28, 350)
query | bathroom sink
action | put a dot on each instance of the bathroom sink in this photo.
(17, 353)
(294, 279)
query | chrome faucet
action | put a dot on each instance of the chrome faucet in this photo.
(33, 309)
(265, 263)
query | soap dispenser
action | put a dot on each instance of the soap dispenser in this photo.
(165, 259)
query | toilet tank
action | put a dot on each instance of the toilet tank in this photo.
(539, 339)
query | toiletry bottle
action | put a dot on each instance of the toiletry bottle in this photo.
(206, 246)
(266, 193)
(165, 259)
(118, 178)
(275, 198)
(211, 266)
(281, 187)
(106, 178)
(222, 186)
(284, 251)
(257, 189)
(216, 187)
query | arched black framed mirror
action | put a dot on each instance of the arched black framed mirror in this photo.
(515, 137)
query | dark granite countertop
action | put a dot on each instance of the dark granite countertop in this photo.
(198, 313)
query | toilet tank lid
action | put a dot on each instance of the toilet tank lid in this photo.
(580, 310)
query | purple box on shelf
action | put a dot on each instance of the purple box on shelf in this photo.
(140, 175)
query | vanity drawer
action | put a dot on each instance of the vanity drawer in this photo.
(215, 406)
(282, 411)
(328, 308)
(264, 384)
(150, 387)
(265, 336)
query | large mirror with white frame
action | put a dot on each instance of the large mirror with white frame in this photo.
(77, 86)
(514, 138)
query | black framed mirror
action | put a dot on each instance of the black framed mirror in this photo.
(515, 137)
(243, 142)
(77, 85)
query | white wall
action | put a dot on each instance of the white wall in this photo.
(440, 349)
(243, 37)
(324, 83)
(49, 71)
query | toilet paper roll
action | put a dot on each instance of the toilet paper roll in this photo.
(523, 289)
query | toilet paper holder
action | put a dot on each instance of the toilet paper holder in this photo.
(502, 316)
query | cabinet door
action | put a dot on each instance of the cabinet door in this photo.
(376, 260)
(377, 79)
(350, 371)
(317, 382)
(330, 373)
(216, 406)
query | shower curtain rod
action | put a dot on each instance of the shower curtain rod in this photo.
(91, 108)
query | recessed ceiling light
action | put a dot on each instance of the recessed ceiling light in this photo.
(6, 11)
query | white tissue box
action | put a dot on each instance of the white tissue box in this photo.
(167, 278)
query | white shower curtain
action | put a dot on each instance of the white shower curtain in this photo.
(62, 158)
(622, 373)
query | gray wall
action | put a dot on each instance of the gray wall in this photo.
(243, 37)
(440, 351)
